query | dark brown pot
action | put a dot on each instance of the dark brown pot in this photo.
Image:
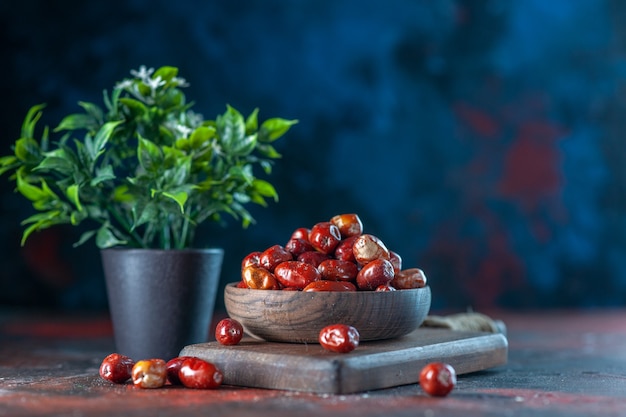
(160, 300)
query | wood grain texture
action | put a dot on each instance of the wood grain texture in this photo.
(293, 316)
(373, 365)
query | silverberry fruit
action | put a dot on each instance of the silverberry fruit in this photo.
(150, 373)
(116, 368)
(437, 379)
(228, 332)
(172, 367)
(339, 338)
(200, 374)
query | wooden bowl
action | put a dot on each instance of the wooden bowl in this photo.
(298, 317)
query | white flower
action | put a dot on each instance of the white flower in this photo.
(194, 119)
(154, 83)
(123, 85)
(183, 130)
(143, 74)
(180, 82)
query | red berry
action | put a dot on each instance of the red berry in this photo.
(298, 246)
(172, 367)
(339, 338)
(344, 250)
(409, 278)
(340, 286)
(376, 273)
(396, 261)
(438, 379)
(116, 368)
(313, 257)
(150, 373)
(228, 332)
(200, 374)
(325, 237)
(274, 255)
(385, 288)
(296, 274)
(301, 233)
(348, 224)
(251, 259)
(338, 270)
(259, 278)
(368, 248)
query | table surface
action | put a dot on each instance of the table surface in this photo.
(570, 363)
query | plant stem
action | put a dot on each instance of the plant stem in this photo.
(184, 233)
(166, 242)
(125, 226)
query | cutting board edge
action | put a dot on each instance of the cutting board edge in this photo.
(312, 376)
(347, 374)
(477, 356)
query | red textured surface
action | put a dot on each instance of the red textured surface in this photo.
(560, 363)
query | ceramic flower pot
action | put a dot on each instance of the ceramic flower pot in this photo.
(160, 300)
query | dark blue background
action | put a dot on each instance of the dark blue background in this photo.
(482, 140)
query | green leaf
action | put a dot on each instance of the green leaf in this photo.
(246, 146)
(268, 151)
(47, 191)
(258, 199)
(103, 174)
(274, 128)
(31, 192)
(231, 130)
(252, 122)
(265, 189)
(241, 197)
(27, 150)
(84, 238)
(29, 231)
(183, 144)
(84, 159)
(111, 103)
(103, 136)
(93, 110)
(135, 107)
(72, 192)
(77, 121)
(42, 217)
(41, 221)
(246, 218)
(179, 197)
(179, 174)
(76, 217)
(121, 194)
(57, 160)
(171, 99)
(149, 155)
(172, 156)
(105, 238)
(243, 174)
(33, 115)
(8, 163)
(144, 213)
(166, 73)
(200, 135)
(7, 160)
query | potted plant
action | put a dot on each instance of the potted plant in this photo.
(140, 175)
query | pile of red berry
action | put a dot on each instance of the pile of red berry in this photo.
(188, 371)
(332, 255)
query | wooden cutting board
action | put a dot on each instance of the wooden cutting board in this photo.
(373, 365)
